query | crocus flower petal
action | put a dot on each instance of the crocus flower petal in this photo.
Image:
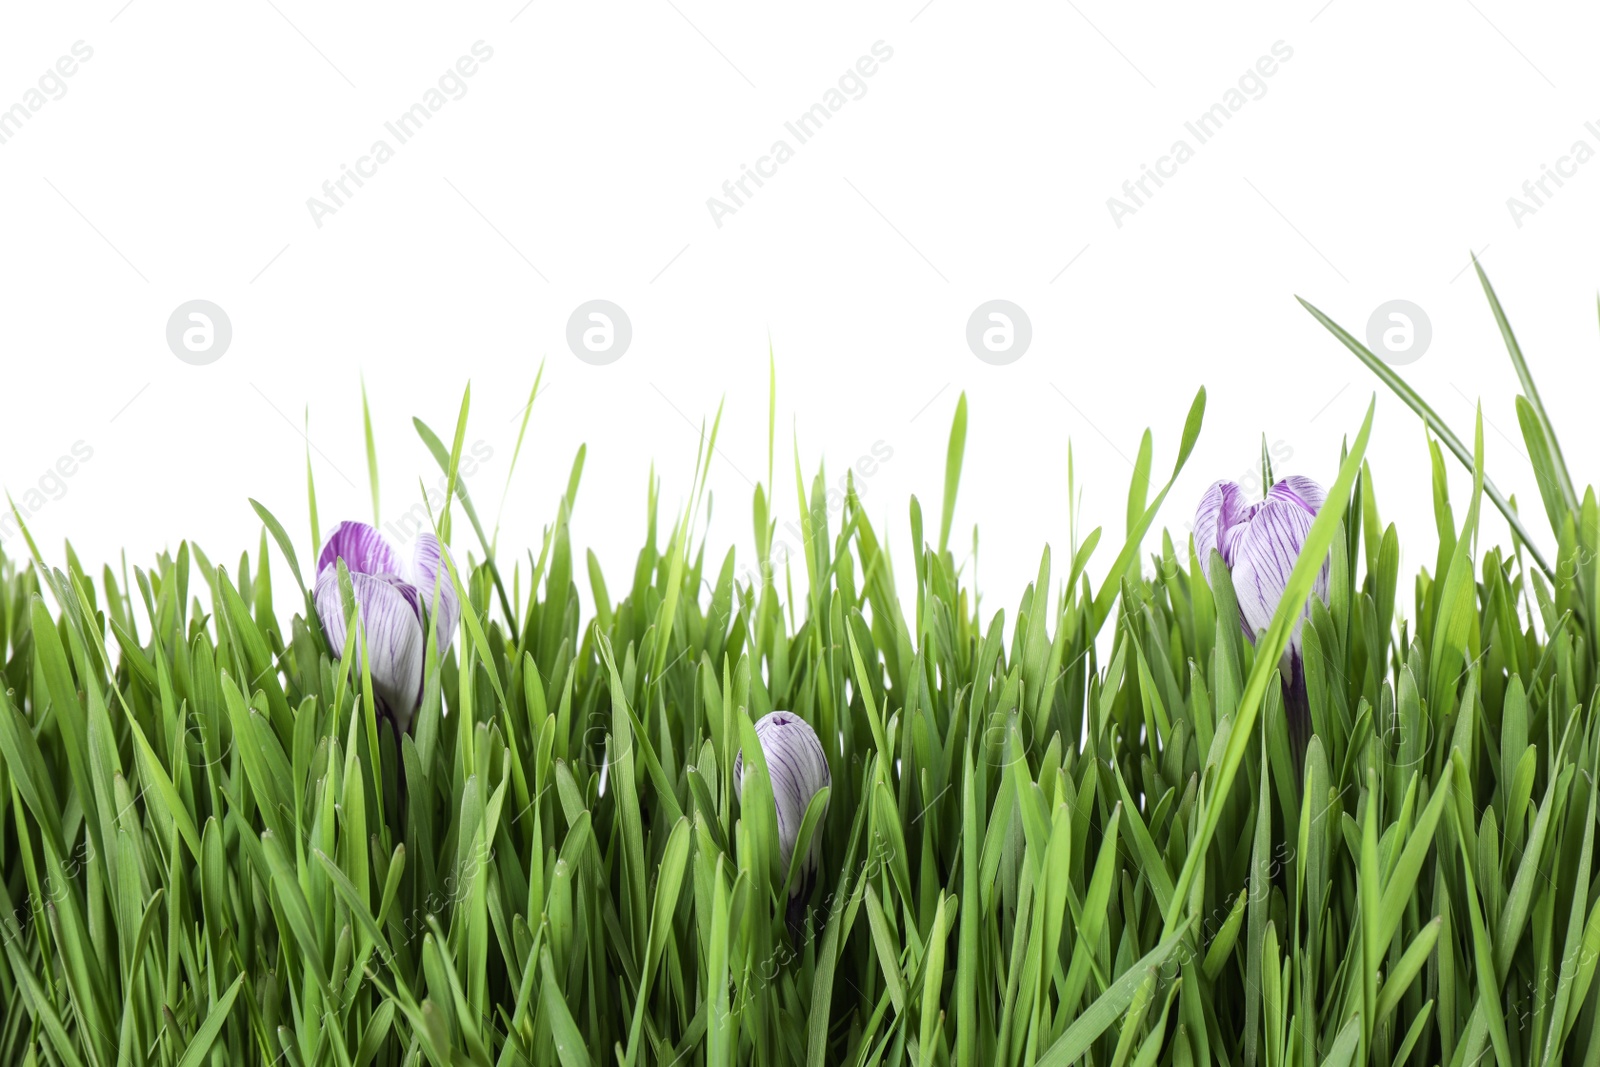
(1265, 557)
(798, 768)
(1221, 510)
(389, 612)
(1298, 489)
(412, 594)
(427, 570)
(1232, 534)
(363, 549)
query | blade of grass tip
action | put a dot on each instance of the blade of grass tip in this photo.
(33, 549)
(372, 452)
(567, 1038)
(808, 535)
(527, 415)
(1457, 607)
(206, 1036)
(703, 469)
(1109, 1006)
(1112, 584)
(311, 492)
(453, 472)
(469, 619)
(888, 956)
(448, 460)
(933, 982)
(1139, 484)
(1431, 419)
(1405, 971)
(281, 536)
(1269, 651)
(1544, 465)
(952, 471)
(1525, 376)
(574, 476)
(1344, 1044)
(667, 616)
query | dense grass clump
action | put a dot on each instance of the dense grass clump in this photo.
(1074, 832)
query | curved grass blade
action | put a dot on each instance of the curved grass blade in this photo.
(1110, 1005)
(1443, 432)
(1529, 389)
(449, 462)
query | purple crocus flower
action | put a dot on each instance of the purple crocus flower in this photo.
(798, 768)
(1259, 544)
(393, 599)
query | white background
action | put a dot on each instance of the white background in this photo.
(578, 165)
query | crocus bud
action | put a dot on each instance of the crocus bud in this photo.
(393, 600)
(798, 768)
(1259, 543)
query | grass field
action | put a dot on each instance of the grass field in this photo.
(1074, 831)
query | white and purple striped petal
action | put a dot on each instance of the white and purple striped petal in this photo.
(1217, 522)
(1263, 560)
(390, 610)
(427, 571)
(363, 549)
(798, 768)
(1298, 489)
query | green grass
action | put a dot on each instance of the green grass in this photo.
(211, 853)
